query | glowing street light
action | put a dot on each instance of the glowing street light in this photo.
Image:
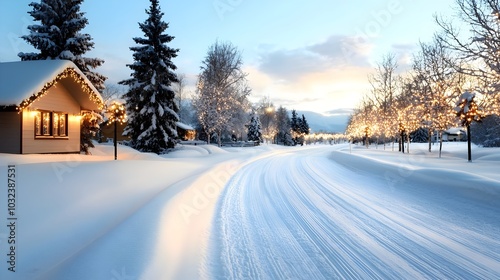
(116, 113)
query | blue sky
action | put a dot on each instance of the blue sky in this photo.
(305, 55)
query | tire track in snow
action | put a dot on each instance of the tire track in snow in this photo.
(302, 216)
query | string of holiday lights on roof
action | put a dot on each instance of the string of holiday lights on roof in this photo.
(68, 72)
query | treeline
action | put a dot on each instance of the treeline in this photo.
(453, 81)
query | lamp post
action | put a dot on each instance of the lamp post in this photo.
(468, 111)
(116, 113)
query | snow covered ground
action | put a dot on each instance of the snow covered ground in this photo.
(268, 212)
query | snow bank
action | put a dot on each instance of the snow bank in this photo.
(479, 180)
(78, 212)
(149, 216)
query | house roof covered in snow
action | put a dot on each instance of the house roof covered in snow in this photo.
(184, 126)
(455, 131)
(23, 82)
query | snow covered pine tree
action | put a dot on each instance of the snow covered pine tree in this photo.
(151, 105)
(58, 37)
(254, 129)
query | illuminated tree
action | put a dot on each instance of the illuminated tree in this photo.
(267, 115)
(384, 85)
(408, 112)
(437, 84)
(89, 126)
(57, 36)
(150, 99)
(362, 123)
(479, 50)
(222, 89)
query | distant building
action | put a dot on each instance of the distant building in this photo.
(41, 104)
(185, 132)
(453, 134)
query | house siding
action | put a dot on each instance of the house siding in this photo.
(10, 131)
(57, 99)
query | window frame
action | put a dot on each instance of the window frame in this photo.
(48, 125)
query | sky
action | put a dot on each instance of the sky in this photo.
(305, 55)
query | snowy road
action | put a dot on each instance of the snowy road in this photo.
(303, 215)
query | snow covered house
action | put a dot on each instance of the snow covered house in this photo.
(185, 132)
(41, 103)
(452, 135)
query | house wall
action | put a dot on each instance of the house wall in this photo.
(57, 99)
(10, 131)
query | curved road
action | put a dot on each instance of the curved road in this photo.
(301, 215)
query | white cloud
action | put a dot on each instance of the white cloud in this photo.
(319, 77)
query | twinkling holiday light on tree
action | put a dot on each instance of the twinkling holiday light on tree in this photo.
(116, 112)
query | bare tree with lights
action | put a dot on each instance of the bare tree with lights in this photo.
(438, 84)
(479, 49)
(408, 113)
(267, 115)
(361, 124)
(222, 89)
(384, 86)
(150, 99)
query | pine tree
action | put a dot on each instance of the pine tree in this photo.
(254, 130)
(284, 129)
(294, 122)
(487, 132)
(304, 126)
(58, 37)
(151, 105)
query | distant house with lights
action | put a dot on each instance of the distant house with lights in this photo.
(185, 132)
(41, 103)
(452, 135)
